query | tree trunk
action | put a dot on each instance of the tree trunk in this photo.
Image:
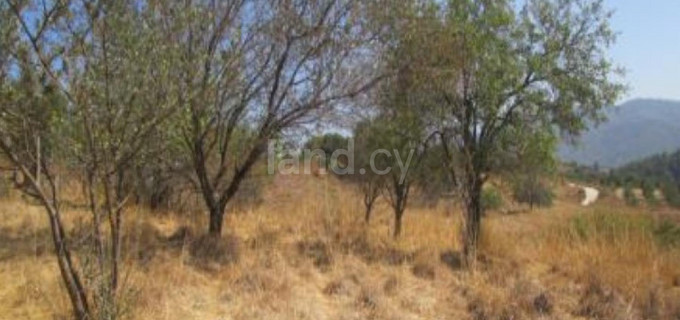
(369, 209)
(69, 275)
(397, 222)
(216, 219)
(368, 203)
(472, 221)
(74, 286)
(399, 201)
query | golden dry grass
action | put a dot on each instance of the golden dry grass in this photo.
(306, 254)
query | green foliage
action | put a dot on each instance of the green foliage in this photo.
(612, 226)
(661, 170)
(667, 234)
(533, 192)
(433, 178)
(648, 191)
(672, 194)
(328, 143)
(491, 199)
(529, 163)
(630, 197)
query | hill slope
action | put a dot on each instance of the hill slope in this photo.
(635, 130)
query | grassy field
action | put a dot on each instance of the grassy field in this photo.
(306, 253)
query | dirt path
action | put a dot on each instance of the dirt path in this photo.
(591, 196)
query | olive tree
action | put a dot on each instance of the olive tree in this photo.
(486, 67)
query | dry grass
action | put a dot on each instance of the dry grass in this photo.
(306, 254)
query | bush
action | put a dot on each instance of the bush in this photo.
(672, 195)
(611, 226)
(207, 251)
(667, 234)
(491, 199)
(615, 227)
(630, 197)
(648, 192)
(533, 192)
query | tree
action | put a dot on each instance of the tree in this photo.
(328, 143)
(250, 70)
(671, 193)
(396, 156)
(487, 67)
(88, 75)
(630, 197)
(396, 139)
(370, 183)
(528, 162)
(648, 192)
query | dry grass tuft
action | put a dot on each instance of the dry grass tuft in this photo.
(210, 252)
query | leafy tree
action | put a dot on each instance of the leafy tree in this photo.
(102, 102)
(401, 156)
(251, 70)
(328, 143)
(528, 163)
(630, 197)
(484, 68)
(491, 199)
(369, 183)
(648, 191)
(672, 194)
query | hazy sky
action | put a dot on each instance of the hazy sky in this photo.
(648, 46)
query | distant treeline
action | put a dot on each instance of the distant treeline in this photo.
(656, 172)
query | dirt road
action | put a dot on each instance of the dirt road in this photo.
(591, 195)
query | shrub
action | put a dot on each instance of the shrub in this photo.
(491, 199)
(672, 194)
(533, 192)
(648, 192)
(667, 234)
(611, 226)
(208, 251)
(630, 197)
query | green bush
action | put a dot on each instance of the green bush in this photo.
(491, 199)
(672, 195)
(648, 192)
(667, 234)
(533, 192)
(611, 226)
(629, 197)
(616, 226)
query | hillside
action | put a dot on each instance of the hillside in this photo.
(659, 168)
(634, 130)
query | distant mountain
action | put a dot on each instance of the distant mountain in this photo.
(635, 130)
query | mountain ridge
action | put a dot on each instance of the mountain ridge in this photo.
(636, 129)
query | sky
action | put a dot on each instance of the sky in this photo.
(648, 46)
